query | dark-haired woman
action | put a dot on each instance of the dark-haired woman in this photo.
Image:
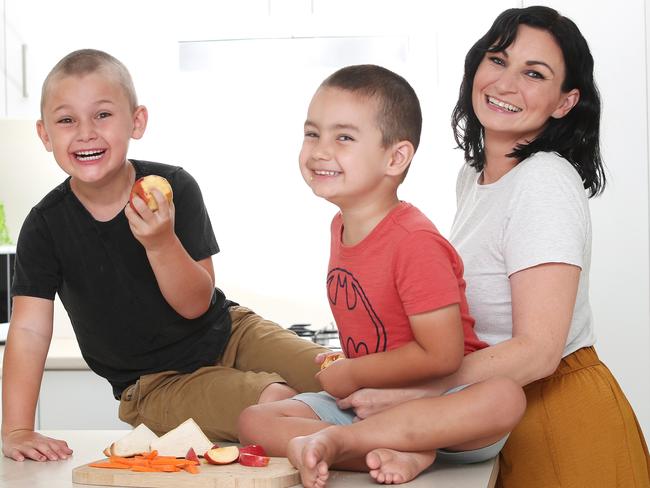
(527, 119)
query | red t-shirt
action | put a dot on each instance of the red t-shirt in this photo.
(403, 267)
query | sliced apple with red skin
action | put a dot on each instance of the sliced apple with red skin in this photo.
(144, 186)
(191, 456)
(222, 455)
(252, 449)
(246, 459)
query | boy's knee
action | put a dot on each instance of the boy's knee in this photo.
(511, 399)
(276, 392)
(247, 424)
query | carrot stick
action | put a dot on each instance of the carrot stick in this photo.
(192, 469)
(148, 463)
(108, 464)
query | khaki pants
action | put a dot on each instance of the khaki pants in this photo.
(258, 353)
(579, 431)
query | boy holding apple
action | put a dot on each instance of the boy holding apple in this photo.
(138, 284)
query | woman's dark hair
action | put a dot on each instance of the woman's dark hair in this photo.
(574, 136)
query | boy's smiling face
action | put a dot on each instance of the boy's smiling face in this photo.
(342, 158)
(87, 123)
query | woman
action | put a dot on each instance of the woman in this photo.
(527, 119)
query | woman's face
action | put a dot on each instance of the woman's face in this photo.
(517, 90)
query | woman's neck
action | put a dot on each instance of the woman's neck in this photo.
(497, 163)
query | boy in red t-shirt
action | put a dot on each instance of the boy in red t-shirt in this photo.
(395, 285)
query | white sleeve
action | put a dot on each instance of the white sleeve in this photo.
(548, 219)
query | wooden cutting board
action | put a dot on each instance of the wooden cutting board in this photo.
(278, 474)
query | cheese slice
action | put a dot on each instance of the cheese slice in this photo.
(178, 441)
(135, 442)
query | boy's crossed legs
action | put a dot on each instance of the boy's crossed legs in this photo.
(395, 445)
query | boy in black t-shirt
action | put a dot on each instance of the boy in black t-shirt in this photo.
(138, 285)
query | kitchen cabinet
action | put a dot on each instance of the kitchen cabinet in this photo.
(77, 400)
(37, 34)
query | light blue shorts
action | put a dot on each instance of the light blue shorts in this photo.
(324, 406)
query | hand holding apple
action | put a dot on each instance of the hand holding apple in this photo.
(144, 187)
(152, 224)
(337, 378)
(330, 358)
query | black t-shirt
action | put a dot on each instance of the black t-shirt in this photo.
(123, 324)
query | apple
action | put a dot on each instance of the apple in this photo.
(222, 455)
(246, 459)
(191, 456)
(330, 359)
(252, 449)
(143, 186)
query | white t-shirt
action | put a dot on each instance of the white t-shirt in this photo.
(536, 213)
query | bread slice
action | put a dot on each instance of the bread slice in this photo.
(178, 441)
(135, 442)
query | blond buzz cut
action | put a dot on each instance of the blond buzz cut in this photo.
(88, 61)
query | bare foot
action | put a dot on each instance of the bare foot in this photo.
(312, 455)
(393, 467)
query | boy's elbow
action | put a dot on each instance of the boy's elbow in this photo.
(451, 365)
(448, 362)
(193, 314)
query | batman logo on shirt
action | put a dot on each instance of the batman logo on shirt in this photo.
(363, 332)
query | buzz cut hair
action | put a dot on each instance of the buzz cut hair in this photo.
(399, 115)
(88, 61)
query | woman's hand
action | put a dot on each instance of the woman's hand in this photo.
(27, 444)
(369, 401)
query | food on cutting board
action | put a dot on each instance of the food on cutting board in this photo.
(222, 455)
(135, 442)
(253, 460)
(330, 359)
(143, 186)
(178, 441)
(191, 456)
(143, 451)
(149, 462)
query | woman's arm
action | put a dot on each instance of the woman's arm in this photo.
(543, 298)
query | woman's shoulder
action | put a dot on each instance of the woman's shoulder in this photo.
(548, 165)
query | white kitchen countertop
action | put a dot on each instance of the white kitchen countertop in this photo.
(64, 354)
(88, 444)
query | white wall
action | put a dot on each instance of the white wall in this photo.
(237, 128)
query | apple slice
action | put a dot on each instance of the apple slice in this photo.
(143, 186)
(191, 456)
(252, 449)
(222, 455)
(246, 459)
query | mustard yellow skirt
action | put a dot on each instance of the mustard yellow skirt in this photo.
(579, 431)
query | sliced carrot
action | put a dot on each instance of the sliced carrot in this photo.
(192, 469)
(143, 469)
(108, 464)
(149, 462)
(166, 460)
